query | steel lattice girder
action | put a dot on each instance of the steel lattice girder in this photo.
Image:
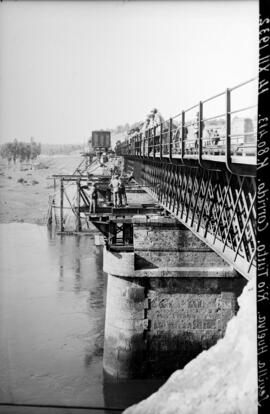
(217, 206)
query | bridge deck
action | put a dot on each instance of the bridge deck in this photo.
(129, 210)
(215, 156)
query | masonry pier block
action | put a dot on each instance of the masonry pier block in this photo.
(167, 300)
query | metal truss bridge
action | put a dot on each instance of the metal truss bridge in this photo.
(202, 169)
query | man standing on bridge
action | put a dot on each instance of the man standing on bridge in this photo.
(122, 193)
(92, 197)
(115, 184)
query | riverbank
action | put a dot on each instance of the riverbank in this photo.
(24, 192)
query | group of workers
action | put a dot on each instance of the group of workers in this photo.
(191, 135)
(153, 119)
(116, 188)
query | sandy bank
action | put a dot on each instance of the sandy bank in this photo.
(24, 192)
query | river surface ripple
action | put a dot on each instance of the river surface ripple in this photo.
(52, 310)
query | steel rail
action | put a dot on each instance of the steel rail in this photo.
(236, 111)
(214, 117)
(243, 83)
(213, 97)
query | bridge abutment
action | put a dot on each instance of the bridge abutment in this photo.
(167, 300)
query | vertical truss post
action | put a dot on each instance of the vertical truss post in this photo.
(228, 130)
(183, 136)
(160, 141)
(78, 218)
(170, 139)
(147, 138)
(61, 204)
(200, 132)
(154, 142)
(144, 139)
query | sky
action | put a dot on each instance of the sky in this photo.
(67, 68)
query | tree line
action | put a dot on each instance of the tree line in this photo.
(22, 151)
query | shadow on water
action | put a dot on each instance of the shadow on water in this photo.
(124, 393)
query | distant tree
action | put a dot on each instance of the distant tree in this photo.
(24, 151)
(35, 149)
(6, 152)
(14, 150)
(9, 151)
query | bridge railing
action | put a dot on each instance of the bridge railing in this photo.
(221, 128)
(243, 143)
(213, 126)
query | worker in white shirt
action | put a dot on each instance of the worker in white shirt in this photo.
(115, 184)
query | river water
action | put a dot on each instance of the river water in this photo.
(52, 310)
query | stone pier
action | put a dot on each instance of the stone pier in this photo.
(167, 300)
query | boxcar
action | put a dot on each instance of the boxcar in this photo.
(101, 139)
